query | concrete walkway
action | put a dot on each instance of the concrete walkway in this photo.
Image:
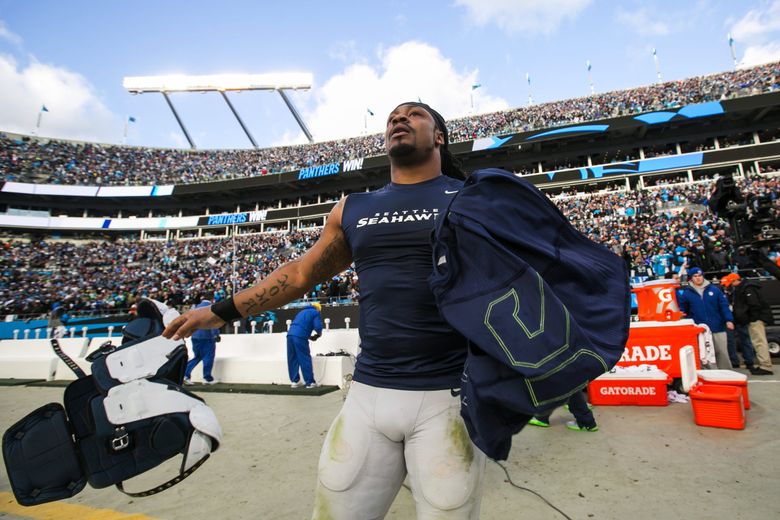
(643, 463)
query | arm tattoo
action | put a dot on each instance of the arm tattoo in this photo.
(283, 282)
(259, 299)
(262, 299)
(335, 257)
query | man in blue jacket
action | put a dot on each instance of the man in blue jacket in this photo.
(204, 346)
(705, 304)
(298, 355)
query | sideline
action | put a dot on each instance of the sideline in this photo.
(62, 511)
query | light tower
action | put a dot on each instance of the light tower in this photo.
(223, 83)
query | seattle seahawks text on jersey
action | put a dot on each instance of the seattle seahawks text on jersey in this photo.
(396, 217)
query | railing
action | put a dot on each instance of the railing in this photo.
(124, 311)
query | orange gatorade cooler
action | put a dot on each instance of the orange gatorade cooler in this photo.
(657, 300)
(715, 405)
(719, 406)
(629, 388)
(728, 378)
(659, 343)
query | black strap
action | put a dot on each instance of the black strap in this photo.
(55, 345)
(105, 348)
(166, 485)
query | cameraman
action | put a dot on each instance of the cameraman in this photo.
(742, 260)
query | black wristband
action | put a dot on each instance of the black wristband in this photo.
(226, 310)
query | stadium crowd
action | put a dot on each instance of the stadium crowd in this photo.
(101, 276)
(60, 162)
(663, 228)
(656, 230)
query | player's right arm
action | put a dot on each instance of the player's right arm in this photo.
(330, 255)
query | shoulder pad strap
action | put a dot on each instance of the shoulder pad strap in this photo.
(141, 360)
(143, 399)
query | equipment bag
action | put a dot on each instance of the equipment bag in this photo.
(129, 416)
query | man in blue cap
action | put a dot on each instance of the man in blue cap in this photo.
(298, 355)
(706, 304)
(204, 348)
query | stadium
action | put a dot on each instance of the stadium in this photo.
(92, 229)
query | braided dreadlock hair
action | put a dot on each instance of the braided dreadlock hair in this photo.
(450, 165)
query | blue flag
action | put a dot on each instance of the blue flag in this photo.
(369, 111)
(131, 119)
(44, 109)
(589, 67)
(475, 86)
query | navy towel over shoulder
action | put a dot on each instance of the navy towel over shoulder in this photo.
(545, 309)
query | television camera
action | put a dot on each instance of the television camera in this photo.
(753, 220)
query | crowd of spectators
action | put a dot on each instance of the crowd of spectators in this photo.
(656, 230)
(613, 104)
(102, 276)
(61, 162)
(660, 229)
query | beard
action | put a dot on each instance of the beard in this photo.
(405, 154)
(402, 150)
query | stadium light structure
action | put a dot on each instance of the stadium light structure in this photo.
(223, 83)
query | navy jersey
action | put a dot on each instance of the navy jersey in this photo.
(405, 343)
(545, 309)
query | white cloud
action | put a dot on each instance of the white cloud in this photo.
(758, 23)
(408, 71)
(758, 32)
(8, 35)
(74, 109)
(527, 16)
(760, 54)
(345, 51)
(642, 22)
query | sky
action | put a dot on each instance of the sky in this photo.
(364, 56)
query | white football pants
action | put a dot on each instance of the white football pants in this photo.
(382, 434)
